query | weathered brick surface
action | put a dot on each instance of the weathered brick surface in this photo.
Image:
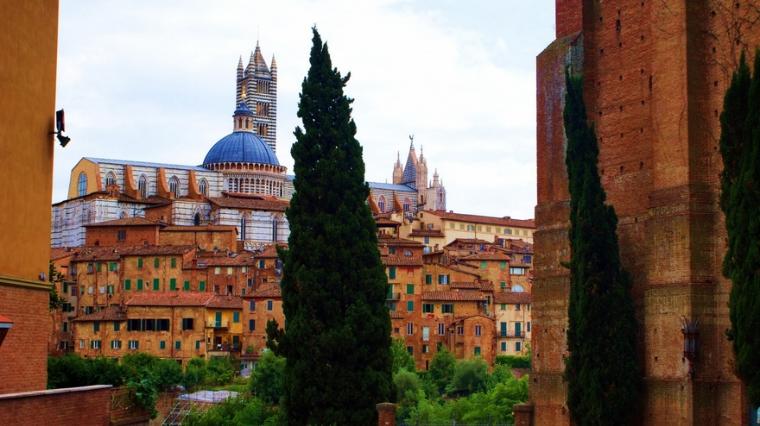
(655, 76)
(82, 408)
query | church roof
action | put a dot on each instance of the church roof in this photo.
(410, 170)
(242, 109)
(241, 147)
(390, 187)
(145, 164)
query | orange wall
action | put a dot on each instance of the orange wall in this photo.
(109, 235)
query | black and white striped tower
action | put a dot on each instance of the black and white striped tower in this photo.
(257, 88)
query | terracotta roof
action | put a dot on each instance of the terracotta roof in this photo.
(173, 298)
(268, 291)
(5, 320)
(127, 221)
(225, 302)
(486, 256)
(235, 260)
(491, 220)
(427, 233)
(485, 286)
(61, 252)
(468, 241)
(385, 221)
(270, 251)
(455, 296)
(86, 254)
(111, 313)
(391, 240)
(512, 297)
(396, 260)
(207, 228)
(237, 202)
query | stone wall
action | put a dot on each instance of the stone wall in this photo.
(84, 406)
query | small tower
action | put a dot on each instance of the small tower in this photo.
(409, 176)
(421, 179)
(242, 119)
(398, 172)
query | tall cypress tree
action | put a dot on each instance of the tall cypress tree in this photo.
(740, 198)
(602, 372)
(337, 328)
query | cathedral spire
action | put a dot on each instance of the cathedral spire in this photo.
(251, 64)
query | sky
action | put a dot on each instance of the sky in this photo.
(155, 81)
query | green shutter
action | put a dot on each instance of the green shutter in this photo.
(127, 284)
(186, 286)
(162, 344)
(202, 286)
(410, 289)
(139, 284)
(174, 262)
(95, 326)
(483, 264)
(155, 283)
(197, 344)
(392, 272)
(502, 264)
(98, 266)
(172, 283)
(155, 262)
(236, 316)
(428, 279)
(178, 344)
(116, 326)
(139, 263)
(410, 306)
(111, 266)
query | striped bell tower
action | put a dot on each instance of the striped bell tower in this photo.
(257, 88)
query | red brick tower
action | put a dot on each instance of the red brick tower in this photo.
(655, 75)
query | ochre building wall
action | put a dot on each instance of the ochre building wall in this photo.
(654, 80)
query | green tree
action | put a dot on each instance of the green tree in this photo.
(408, 391)
(401, 357)
(54, 277)
(337, 330)
(266, 379)
(740, 197)
(442, 369)
(195, 373)
(602, 373)
(470, 376)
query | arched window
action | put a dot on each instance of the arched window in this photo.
(142, 186)
(407, 204)
(517, 288)
(242, 228)
(82, 184)
(197, 219)
(174, 186)
(203, 187)
(110, 179)
(381, 204)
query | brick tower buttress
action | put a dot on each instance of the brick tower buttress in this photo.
(656, 131)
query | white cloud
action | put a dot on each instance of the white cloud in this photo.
(155, 82)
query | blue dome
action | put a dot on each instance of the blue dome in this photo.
(241, 147)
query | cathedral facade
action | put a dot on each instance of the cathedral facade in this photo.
(240, 181)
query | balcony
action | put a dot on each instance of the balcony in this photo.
(218, 324)
(393, 296)
(223, 350)
(519, 334)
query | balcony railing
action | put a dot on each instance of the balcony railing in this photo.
(393, 296)
(218, 324)
(512, 334)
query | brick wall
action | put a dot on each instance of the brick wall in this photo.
(83, 406)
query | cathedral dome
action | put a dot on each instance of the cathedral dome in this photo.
(241, 147)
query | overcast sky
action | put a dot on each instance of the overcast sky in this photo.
(155, 81)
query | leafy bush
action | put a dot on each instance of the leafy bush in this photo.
(195, 373)
(72, 370)
(401, 357)
(442, 369)
(513, 361)
(219, 371)
(470, 376)
(266, 379)
(236, 411)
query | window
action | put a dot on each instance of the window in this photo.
(139, 284)
(503, 285)
(203, 187)
(172, 283)
(410, 350)
(410, 289)
(116, 326)
(251, 325)
(269, 305)
(252, 305)
(407, 204)
(478, 330)
(517, 288)
(527, 327)
(503, 346)
(410, 306)
(230, 270)
(127, 284)
(174, 186)
(460, 330)
(407, 253)
(477, 350)
(517, 306)
(98, 266)
(425, 349)
(202, 286)
(428, 279)
(392, 272)
(425, 334)
(441, 329)
(443, 279)
(110, 179)
(503, 264)
(109, 289)
(197, 344)
(217, 270)
(174, 262)
(134, 344)
(518, 346)
(178, 344)
(188, 323)
(142, 186)
(391, 250)
(186, 285)
(527, 259)
(409, 328)
(95, 326)
(426, 239)
(82, 184)
(483, 264)
(81, 343)
(95, 344)
(139, 262)
(155, 284)
(236, 316)
(262, 264)
(447, 308)
(262, 129)
(155, 262)
(516, 270)
(381, 204)
(503, 329)
(162, 344)
(428, 308)
(121, 235)
(116, 344)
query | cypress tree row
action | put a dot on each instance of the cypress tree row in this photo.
(602, 371)
(337, 330)
(740, 198)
